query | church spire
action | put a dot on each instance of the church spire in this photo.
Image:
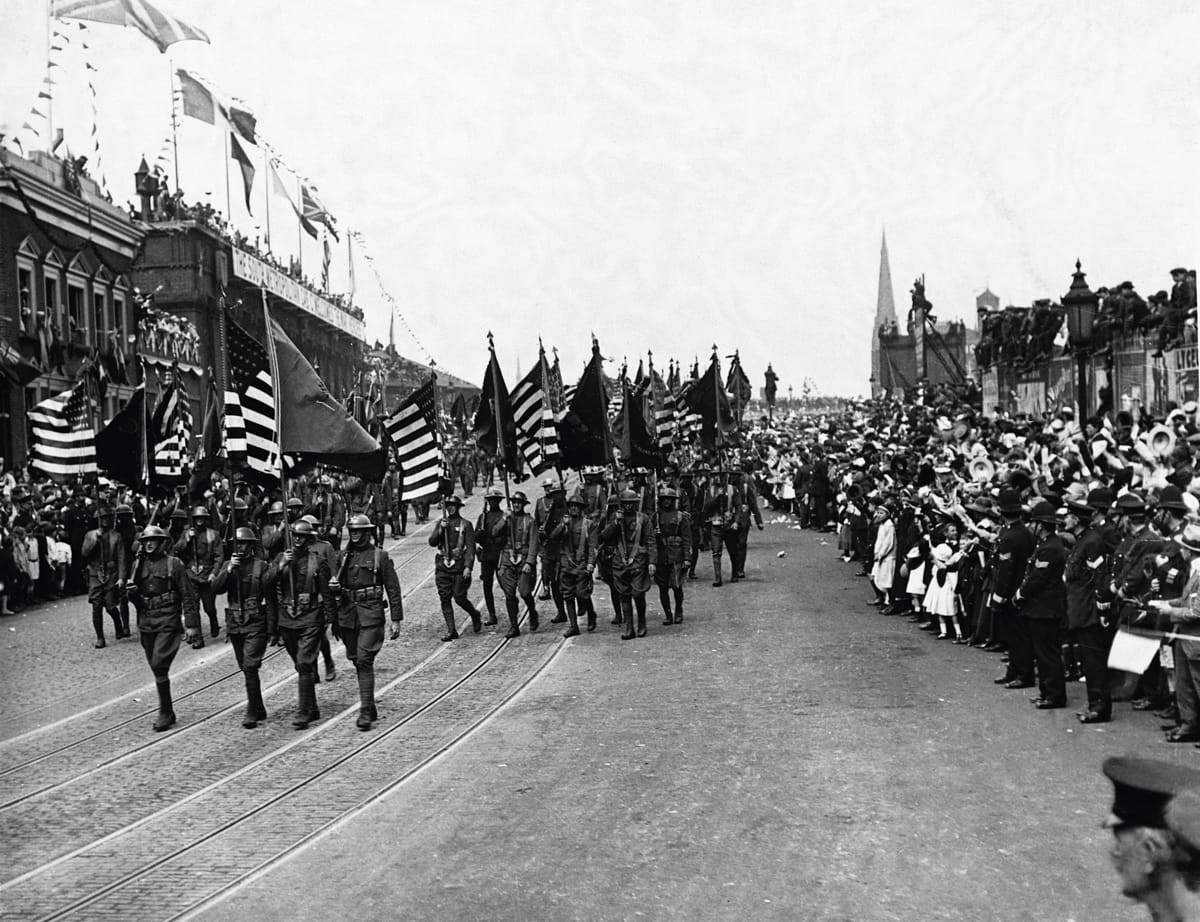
(885, 315)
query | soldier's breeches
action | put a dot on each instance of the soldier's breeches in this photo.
(575, 586)
(248, 649)
(515, 583)
(160, 648)
(207, 598)
(452, 587)
(363, 644)
(303, 645)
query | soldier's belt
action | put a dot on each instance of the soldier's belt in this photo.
(165, 601)
(245, 609)
(369, 594)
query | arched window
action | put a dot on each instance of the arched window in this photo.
(29, 255)
(51, 306)
(101, 321)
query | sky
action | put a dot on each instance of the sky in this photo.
(672, 176)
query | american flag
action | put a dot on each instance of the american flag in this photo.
(250, 438)
(556, 394)
(413, 433)
(663, 402)
(688, 423)
(171, 426)
(64, 443)
(537, 437)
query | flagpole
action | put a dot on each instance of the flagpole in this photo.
(494, 368)
(228, 200)
(717, 403)
(273, 362)
(145, 428)
(299, 228)
(267, 194)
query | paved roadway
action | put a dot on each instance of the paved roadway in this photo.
(787, 753)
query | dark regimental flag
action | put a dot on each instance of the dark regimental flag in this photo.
(64, 443)
(250, 436)
(738, 386)
(412, 430)
(632, 438)
(707, 398)
(494, 429)
(171, 437)
(584, 439)
(537, 436)
(211, 451)
(555, 392)
(120, 446)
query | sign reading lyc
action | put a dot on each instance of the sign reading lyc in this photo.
(257, 272)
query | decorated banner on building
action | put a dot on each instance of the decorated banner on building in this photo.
(267, 277)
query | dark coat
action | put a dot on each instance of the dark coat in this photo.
(1043, 594)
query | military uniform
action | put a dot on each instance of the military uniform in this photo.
(673, 537)
(303, 601)
(518, 538)
(163, 594)
(631, 534)
(329, 510)
(393, 500)
(576, 536)
(366, 584)
(105, 564)
(454, 539)
(203, 553)
(250, 619)
(721, 511)
(548, 513)
(489, 541)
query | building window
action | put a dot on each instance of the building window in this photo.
(51, 302)
(98, 313)
(25, 295)
(76, 314)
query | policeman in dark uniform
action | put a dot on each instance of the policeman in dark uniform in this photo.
(673, 539)
(1014, 546)
(1042, 600)
(454, 539)
(103, 555)
(162, 593)
(576, 537)
(1083, 573)
(250, 617)
(489, 541)
(518, 559)
(631, 534)
(201, 550)
(300, 580)
(364, 578)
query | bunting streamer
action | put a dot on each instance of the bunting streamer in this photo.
(396, 312)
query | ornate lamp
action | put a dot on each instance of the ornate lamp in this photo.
(1081, 304)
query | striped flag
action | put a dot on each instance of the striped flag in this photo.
(64, 443)
(537, 437)
(663, 402)
(250, 435)
(171, 430)
(556, 394)
(412, 430)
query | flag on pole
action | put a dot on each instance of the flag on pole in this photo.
(152, 21)
(707, 399)
(197, 100)
(663, 403)
(171, 437)
(64, 443)
(584, 439)
(210, 452)
(250, 407)
(497, 437)
(412, 430)
(312, 212)
(738, 386)
(537, 437)
(632, 438)
(120, 445)
(247, 166)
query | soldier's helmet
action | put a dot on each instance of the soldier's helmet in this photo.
(245, 533)
(453, 500)
(151, 533)
(519, 497)
(301, 528)
(200, 512)
(360, 523)
(276, 508)
(576, 498)
(668, 493)
(629, 496)
(124, 509)
(104, 513)
(178, 513)
(493, 492)
(294, 503)
(549, 484)
(240, 505)
(310, 519)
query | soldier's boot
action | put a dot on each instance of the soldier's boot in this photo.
(514, 617)
(573, 617)
(559, 604)
(255, 711)
(166, 709)
(214, 626)
(664, 596)
(476, 618)
(591, 616)
(618, 610)
(114, 615)
(639, 602)
(717, 581)
(98, 626)
(123, 611)
(366, 698)
(307, 711)
(327, 656)
(627, 611)
(534, 622)
(678, 605)
(451, 629)
(489, 599)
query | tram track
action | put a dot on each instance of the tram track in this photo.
(175, 834)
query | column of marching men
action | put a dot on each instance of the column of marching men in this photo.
(283, 577)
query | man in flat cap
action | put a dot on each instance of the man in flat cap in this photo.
(1154, 863)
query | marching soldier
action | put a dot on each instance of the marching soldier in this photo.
(250, 617)
(330, 512)
(518, 538)
(576, 536)
(548, 514)
(745, 508)
(673, 536)
(719, 511)
(127, 528)
(273, 537)
(177, 525)
(365, 576)
(326, 552)
(103, 556)
(689, 503)
(163, 594)
(454, 538)
(595, 493)
(397, 507)
(300, 580)
(489, 542)
(630, 533)
(612, 513)
(200, 549)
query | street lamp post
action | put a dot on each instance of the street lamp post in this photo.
(1080, 303)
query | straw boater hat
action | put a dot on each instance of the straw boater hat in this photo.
(1190, 538)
